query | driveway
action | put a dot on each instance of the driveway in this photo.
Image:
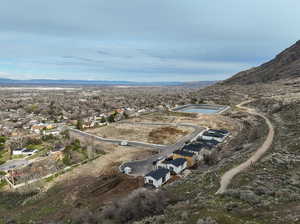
(142, 167)
(13, 164)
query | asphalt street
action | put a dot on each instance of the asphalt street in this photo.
(142, 167)
(13, 164)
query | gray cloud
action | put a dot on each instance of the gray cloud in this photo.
(170, 39)
(103, 52)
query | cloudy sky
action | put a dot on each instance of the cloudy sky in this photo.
(142, 40)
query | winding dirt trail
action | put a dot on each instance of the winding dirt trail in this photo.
(227, 177)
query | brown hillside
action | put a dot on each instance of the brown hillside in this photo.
(284, 65)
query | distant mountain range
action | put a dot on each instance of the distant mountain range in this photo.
(45, 82)
(284, 65)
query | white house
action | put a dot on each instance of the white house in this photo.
(175, 166)
(29, 152)
(18, 151)
(213, 136)
(54, 132)
(24, 151)
(157, 177)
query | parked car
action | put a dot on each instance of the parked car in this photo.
(124, 143)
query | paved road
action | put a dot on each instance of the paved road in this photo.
(13, 164)
(142, 167)
(118, 141)
(227, 177)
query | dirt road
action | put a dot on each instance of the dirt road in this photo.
(227, 177)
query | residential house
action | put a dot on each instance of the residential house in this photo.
(54, 132)
(38, 128)
(220, 131)
(157, 177)
(29, 152)
(18, 151)
(24, 151)
(197, 149)
(188, 156)
(120, 110)
(213, 136)
(175, 166)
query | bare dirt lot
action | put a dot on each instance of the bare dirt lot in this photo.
(214, 121)
(106, 164)
(153, 117)
(156, 134)
(100, 180)
(205, 120)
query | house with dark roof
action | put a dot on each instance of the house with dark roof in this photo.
(209, 143)
(175, 166)
(213, 136)
(29, 152)
(197, 149)
(157, 177)
(188, 156)
(220, 131)
(24, 151)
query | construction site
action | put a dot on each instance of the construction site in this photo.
(143, 132)
(88, 181)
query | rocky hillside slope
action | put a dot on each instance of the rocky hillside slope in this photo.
(284, 65)
(269, 191)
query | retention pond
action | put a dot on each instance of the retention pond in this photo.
(201, 108)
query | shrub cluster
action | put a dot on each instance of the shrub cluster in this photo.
(137, 205)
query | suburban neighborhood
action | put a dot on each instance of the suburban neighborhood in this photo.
(54, 144)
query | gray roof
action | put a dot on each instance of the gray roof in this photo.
(183, 153)
(28, 150)
(177, 162)
(221, 131)
(158, 174)
(214, 134)
(194, 147)
(19, 149)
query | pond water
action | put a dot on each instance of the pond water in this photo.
(199, 110)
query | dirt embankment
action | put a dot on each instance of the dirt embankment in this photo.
(214, 121)
(164, 135)
(89, 186)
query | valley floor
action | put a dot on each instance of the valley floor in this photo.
(266, 192)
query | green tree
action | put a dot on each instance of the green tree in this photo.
(103, 120)
(2, 142)
(126, 116)
(79, 125)
(76, 144)
(65, 134)
(193, 101)
(111, 118)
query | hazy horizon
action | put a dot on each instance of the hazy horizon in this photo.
(142, 41)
